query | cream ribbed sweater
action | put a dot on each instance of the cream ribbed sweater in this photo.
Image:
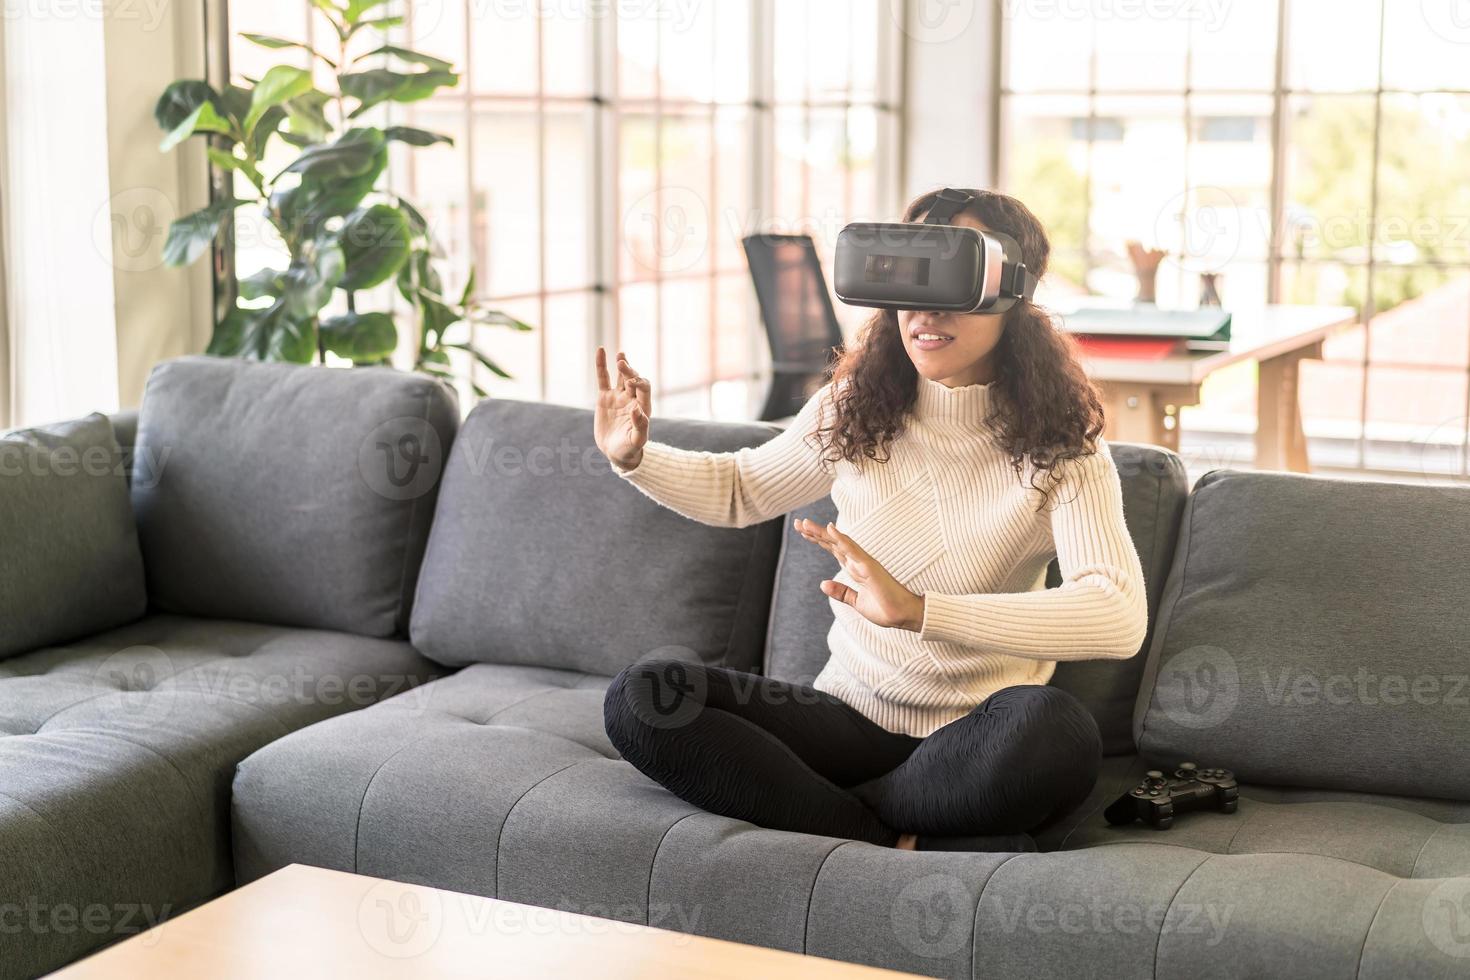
(949, 518)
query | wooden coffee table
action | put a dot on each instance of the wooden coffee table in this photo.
(310, 922)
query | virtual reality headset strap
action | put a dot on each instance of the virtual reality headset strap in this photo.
(1016, 282)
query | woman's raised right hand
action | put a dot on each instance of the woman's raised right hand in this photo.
(620, 421)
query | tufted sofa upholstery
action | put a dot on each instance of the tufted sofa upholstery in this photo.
(481, 764)
(116, 756)
(120, 730)
(507, 786)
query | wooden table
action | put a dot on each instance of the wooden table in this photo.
(1143, 397)
(310, 922)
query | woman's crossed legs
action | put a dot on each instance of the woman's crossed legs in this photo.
(789, 757)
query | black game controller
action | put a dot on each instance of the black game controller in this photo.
(1159, 798)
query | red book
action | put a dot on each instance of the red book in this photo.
(1133, 348)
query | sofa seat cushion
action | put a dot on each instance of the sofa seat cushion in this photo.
(116, 755)
(498, 781)
(1403, 836)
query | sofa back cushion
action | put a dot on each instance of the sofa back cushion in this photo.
(1154, 491)
(540, 554)
(1314, 632)
(71, 561)
(296, 496)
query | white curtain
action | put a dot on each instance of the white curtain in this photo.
(57, 214)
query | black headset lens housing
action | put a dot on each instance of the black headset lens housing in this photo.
(931, 265)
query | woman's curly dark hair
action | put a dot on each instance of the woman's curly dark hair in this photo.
(1048, 409)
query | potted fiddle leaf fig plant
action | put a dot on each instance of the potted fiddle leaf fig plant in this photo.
(341, 230)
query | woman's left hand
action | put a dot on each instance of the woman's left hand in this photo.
(879, 597)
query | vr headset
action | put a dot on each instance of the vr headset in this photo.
(931, 266)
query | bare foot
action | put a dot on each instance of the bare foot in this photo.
(907, 842)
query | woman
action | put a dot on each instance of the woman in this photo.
(963, 452)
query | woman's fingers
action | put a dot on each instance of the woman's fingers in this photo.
(634, 384)
(604, 382)
(840, 592)
(858, 561)
(814, 533)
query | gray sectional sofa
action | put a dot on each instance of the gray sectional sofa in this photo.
(1309, 633)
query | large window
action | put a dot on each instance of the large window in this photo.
(609, 158)
(1310, 151)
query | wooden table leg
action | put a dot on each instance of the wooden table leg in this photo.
(1146, 413)
(1281, 443)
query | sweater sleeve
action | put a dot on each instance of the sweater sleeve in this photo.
(743, 487)
(1099, 611)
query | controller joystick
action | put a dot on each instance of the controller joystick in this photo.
(1158, 799)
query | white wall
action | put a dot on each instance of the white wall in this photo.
(159, 312)
(949, 81)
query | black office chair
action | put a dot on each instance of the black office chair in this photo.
(800, 322)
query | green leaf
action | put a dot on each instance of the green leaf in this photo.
(268, 334)
(356, 8)
(276, 86)
(265, 127)
(234, 101)
(267, 41)
(204, 119)
(179, 101)
(417, 277)
(382, 24)
(190, 235)
(495, 318)
(469, 289)
(360, 336)
(350, 155)
(416, 221)
(266, 282)
(408, 55)
(307, 115)
(375, 242)
(384, 85)
(302, 210)
(415, 137)
(309, 281)
(488, 364)
(223, 159)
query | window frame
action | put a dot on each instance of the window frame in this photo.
(1280, 94)
(608, 108)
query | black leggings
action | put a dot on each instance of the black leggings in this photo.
(790, 757)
